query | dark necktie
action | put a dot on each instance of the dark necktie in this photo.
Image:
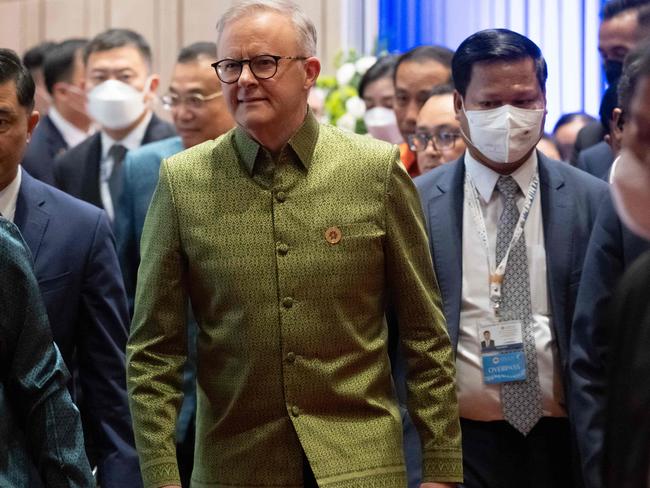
(521, 401)
(117, 153)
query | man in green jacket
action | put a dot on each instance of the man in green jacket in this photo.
(293, 241)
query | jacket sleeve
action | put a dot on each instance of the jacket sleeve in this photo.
(36, 374)
(416, 305)
(157, 347)
(101, 345)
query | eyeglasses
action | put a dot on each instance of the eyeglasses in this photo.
(263, 67)
(441, 140)
(194, 101)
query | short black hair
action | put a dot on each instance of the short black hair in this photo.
(34, 56)
(423, 54)
(493, 45)
(12, 69)
(607, 105)
(635, 66)
(115, 38)
(570, 117)
(192, 52)
(446, 89)
(384, 67)
(615, 7)
(59, 62)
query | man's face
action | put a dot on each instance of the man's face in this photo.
(16, 126)
(565, 137)
(70, 93)
(197, 121)
(438, 119)
(486, 335)
(413, 82)
(269, 106)
(498, 83)
(124, 64)
(618, 36)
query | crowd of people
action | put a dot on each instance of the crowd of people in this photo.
(246, 297)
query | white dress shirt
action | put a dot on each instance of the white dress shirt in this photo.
(72, 135)
(9, 197)
(132, 141)
(478, 401)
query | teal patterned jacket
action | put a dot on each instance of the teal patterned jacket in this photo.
(41, 440)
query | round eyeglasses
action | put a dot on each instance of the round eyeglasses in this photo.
(194, 101)
(440, 140)
(263, 67)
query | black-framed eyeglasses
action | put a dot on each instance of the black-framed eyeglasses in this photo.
(263, 67)
(194, 101)
(440, 140)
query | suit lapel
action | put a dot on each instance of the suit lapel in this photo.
(445, 212)
(90, 179)
(557, 215)
(31, 216)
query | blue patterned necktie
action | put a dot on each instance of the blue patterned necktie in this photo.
(521, 401)
(117, 152)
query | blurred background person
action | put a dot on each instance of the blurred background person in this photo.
(67, 122)
(437, 138)
(33, 59)
(377, 91)
(199, 112)
(566, 131)
(417, 71)
(547, 146)
(121, 88)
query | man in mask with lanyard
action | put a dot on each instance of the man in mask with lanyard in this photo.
(508, 230)
(120, 88)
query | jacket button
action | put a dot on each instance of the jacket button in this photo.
(282, 248)
(280, 196)
(291, 357)
(295, 411)
(287, 302)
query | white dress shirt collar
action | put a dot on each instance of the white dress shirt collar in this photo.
(485, 179)
(132, 141)
(72, 135)
(9, 197)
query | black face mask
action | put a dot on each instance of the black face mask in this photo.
(613, 71)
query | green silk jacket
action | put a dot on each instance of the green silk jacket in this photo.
(290, 266)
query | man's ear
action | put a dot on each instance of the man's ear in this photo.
(34, 117)
(458, 103)
(312, 70)
(616, 127)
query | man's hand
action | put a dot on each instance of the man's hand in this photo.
(438, 485)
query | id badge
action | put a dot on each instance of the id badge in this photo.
(502, 352)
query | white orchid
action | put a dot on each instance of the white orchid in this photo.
(345, 74)
(347, 122)
(363, 64)
(355, 106)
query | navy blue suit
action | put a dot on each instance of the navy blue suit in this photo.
(612, 248)
(46, 144)
(570, 199)
(78, 273)
(77, 171)
(596, 160)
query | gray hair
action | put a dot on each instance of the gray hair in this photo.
(304, 26)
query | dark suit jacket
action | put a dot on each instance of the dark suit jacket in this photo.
(77, 171)
(570, 200)
(47, 143)
(589, 135)
(597, 160)
(76, 265)
(612, 248)
(627, 449)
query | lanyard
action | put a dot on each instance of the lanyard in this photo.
(496, 274)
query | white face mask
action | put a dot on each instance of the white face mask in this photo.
(631, 191)
(115, 105)
(504, 134)
(382, 124)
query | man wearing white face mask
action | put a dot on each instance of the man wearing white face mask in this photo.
(67, 122)
(508, 230)
(120, 88)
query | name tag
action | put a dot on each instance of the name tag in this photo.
(502, 352)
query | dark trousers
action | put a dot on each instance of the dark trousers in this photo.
(496, 455)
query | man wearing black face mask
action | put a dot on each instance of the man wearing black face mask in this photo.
(508, 229)
(620, 31)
